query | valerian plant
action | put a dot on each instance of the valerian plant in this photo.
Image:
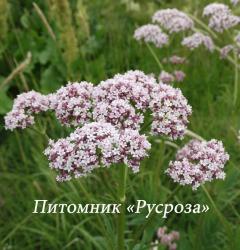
(113, 122)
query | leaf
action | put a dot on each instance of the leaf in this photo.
(5, 103)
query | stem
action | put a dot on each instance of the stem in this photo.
(194, 135)
(235, 93)
(221, 217)
(122, 200)
(155, 56)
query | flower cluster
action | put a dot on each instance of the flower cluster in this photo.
(119, 113)
(73, 103)
(198, 162)
(234, 2)
(197, 39)
(224, 52)
(24, 106)
(151, 33)
(169, 78)
(133, 86)
(221, 17)
(173, 20)
(177, 60)
(170, 112)
(168, 239)
(94, 145)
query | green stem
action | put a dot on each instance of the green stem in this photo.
(194, 135)
(122, 200)
(235, 93)
(219, 214)
(155, 56)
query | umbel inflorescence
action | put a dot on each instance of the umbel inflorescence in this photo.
(109, 119)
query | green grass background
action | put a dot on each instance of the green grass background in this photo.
(93, 42)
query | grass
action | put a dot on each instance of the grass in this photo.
(24, 172)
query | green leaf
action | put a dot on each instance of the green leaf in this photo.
(5, 103)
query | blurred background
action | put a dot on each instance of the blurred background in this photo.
(43, 45)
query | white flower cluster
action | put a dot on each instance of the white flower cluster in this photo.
(194, 41)
(94, 145)
(24, 106)
(198, 162)
(173, 20)
(170, 112)
(72, 103)
(151, 33)
(221, 17)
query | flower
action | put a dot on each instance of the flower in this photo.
(179, 75)
(166, 77)
(173, 20)
(177, 59)
(194, 41)
(119, 113)
(72, 103)
(221, 17)
(95, 144)
(167, 239)
(133, 148)
(170, 112)
(215, 8)
(151, 33)
(133, 86)
(226, 50)
(234, 2)
(198, 162)
(224, 21)
(24, 106)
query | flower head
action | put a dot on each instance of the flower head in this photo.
(179, 75)
(168, 239)
(173, 20)
(194, 41)
(93, 145)
(216, 8)
(221, 17)
(198, 162)
(72, 103)
(151, 33)
(170, 112)
(119, 113)
(166, 77)
(224, 52)
(133, 86)
(24, 106)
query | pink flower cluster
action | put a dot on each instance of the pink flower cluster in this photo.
(194, 41)
(168, 239)
(221, 17)
(169, 107)
(24, 107)
(170, 111)
(151, 33)
(169, 78)
(198, 162)
(133, 86)
(234, 2)
(96, 144)
(119, 113)
(173, 20)
(73, 103)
